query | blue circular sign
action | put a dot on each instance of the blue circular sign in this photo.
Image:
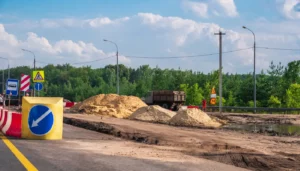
(40, 120)
(38, 86)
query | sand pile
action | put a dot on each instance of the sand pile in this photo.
(153, 113)
(109, 105)
(193, 117)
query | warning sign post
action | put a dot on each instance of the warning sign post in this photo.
(38, 76)
(213, 96)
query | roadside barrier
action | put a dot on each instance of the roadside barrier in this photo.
(10, 123)
(42, 118)
(69, 104)
(190, 107)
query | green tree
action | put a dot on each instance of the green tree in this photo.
(293, 96)
(274, 102)
(223, 101)
(231, 99)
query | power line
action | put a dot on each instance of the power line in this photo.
(175, 57)
(91, 61)
(43, 62)
(187, 56)
(77, 62)
(271, 48)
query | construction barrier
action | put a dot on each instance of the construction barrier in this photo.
(10, 123)
(190, 107)
(42, 118)
(69, 104)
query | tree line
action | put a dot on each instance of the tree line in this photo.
(278, 86)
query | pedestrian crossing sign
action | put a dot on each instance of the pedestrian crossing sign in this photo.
(38, 76)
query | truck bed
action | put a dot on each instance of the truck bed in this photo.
(168, 95)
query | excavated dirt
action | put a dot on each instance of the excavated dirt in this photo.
(109, 105)
(152, 114)
(246, 150)
(258, 118)
(193, 117)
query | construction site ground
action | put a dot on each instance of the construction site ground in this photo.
(163, 142)
(240, 118)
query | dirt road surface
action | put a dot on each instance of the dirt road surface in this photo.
(83, 150)
(259, 118)
(245, 150)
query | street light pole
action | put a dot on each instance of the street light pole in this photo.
(8, 72)
(33, 56)
(254, 74)
(118, 73)
(33, 64)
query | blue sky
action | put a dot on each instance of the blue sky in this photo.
(72, 31)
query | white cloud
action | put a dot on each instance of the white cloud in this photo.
(148, 34)
(199, 8)
(67, 50)
(98, 22)
(70, 22)
(229, 7)
(289, 9)
(182, 29)
(215, 7)
(9, 43)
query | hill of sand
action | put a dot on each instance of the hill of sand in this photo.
(193, 117)
(109, 105)
(153, 113)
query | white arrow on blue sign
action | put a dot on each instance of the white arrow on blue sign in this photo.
(40, 120)
(38, 86)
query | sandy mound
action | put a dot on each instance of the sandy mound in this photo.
(110, 105)
(153, 114)
(193, 117)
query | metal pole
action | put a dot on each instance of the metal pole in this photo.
(117, 54)
(118, 74)
(254, 75)
(34, 61)
(3, 81)
(220, 74)
(8, 71)
(220, 34)
(254, 68)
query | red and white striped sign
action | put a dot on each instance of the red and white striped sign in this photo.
(25, 82)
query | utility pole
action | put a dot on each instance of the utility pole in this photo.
(118, 73)
(220, 34)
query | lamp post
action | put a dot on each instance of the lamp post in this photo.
(254, 75)
(117, 54)
(33, 63)
(33, 56)
(8, 73)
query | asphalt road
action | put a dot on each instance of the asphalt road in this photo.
(67, 155)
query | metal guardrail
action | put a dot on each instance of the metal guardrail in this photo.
(252, 109)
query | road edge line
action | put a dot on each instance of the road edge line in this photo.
(24, 161)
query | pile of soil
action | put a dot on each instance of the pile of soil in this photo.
(153, 113)
(109, 105)
(193, 117)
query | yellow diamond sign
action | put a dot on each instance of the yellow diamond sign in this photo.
(38, 76)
